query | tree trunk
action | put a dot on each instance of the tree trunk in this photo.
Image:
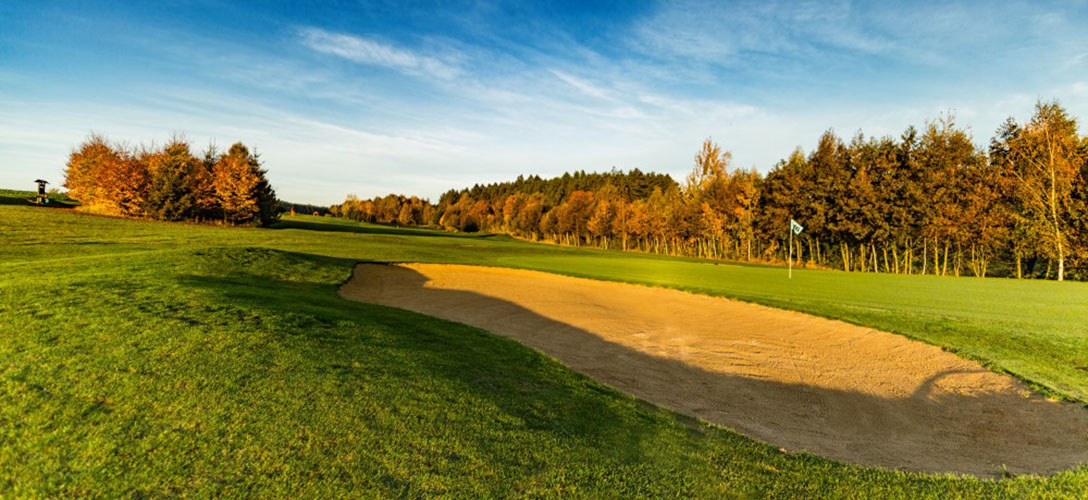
(1054, 212)
(958, 261)
(976, 264)
(908, 263)
(1061, 263)
(944, 268)
(925, 255)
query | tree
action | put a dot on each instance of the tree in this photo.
(574, 214)
(945, 153)
(172, 171)
(1046, 157)
(782, 197)
(106, 178)
(268, 206)
(830, 174)
(600, 223)
(527, 220)
(202, 186)
(745, 196)
(405, 216)
(710, 166)
(1078, 215)
(236, 185)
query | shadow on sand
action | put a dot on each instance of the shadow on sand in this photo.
(980, 433)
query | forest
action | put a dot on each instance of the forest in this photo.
(171, 183)
(930, 201)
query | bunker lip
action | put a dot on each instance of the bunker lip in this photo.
(793, 380)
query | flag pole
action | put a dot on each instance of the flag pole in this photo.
(795, 228)
(791, 249)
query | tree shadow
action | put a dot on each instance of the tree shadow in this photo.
(26, 199)
(950, 431)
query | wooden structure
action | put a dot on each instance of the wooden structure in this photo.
(43, 197)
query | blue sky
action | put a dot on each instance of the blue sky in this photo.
(376, 97)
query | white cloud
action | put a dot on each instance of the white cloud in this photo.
(369, 51)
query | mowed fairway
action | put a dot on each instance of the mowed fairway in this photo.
(168, 359)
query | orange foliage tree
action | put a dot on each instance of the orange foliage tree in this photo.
(170, 183)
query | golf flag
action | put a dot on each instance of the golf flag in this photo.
(795, 227)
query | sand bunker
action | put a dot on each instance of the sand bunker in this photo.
(796, 381)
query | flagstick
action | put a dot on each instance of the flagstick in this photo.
(791, 251)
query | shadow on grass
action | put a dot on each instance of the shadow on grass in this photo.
(530, 389)
(485, 369)
(26, 199)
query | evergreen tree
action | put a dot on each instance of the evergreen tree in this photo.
(170, 193)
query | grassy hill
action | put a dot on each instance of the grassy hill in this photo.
(156, 359)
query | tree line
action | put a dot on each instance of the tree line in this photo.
(303, 208)
(929, 201)
(171, 183)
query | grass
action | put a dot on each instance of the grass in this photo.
(155, 359)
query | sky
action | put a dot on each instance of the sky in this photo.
(372, 98)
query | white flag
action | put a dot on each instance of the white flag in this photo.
(795, 227)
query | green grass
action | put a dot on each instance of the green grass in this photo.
(155, 359)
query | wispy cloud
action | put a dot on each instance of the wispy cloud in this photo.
(375, 52)
(419, 100)
(740, 33)
(582, 85)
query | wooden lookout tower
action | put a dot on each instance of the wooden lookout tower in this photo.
(43, 197)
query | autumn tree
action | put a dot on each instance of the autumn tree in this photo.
(239, 182)
(928, 200)
(106, 178)
(170, 183)
(1046, 157)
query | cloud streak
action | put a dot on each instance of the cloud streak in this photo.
(375, 52)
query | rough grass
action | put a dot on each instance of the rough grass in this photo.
(155, 359)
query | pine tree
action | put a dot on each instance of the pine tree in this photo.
(170, 192)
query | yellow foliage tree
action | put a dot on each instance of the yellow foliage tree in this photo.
(236, 185)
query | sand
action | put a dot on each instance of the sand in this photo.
(792, 380)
